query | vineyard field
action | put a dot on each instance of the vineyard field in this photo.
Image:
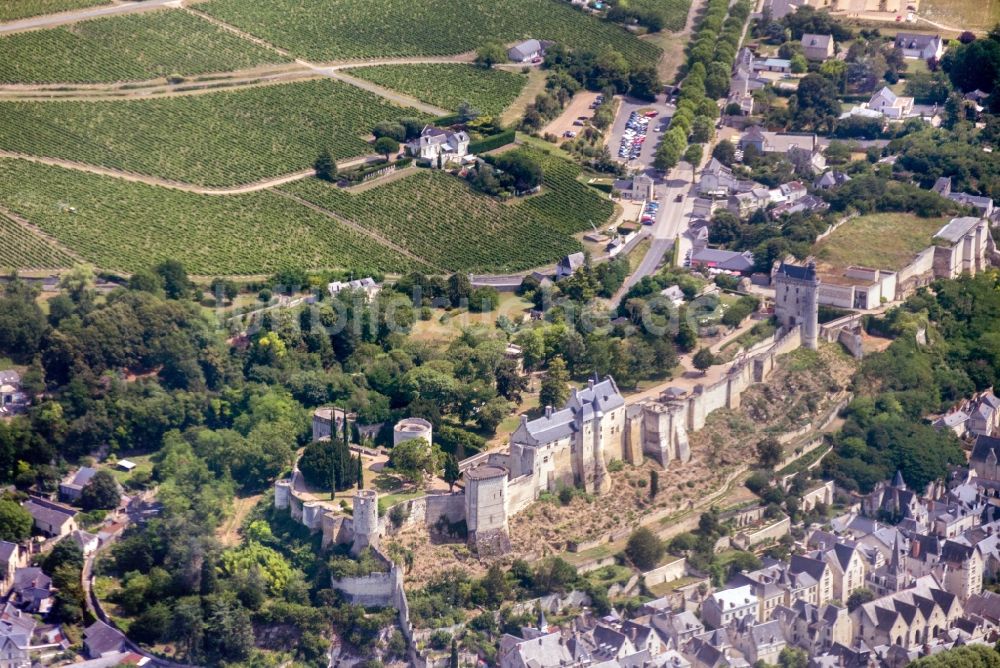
(23, 249)
(449, 85)
(127, 48)
(125, 226)
(440, 218)
(672, 12)
(325, 31)
(11, 10)
(215, 139)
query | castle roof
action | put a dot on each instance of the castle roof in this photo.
(583, 405)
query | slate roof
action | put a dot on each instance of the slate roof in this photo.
(816, 41)
(524, 49)
(8, 551)
(48, 512)
(909, 40)
(983, 446)
(602, 397)
(100, 639)
(723, 259)
(799, 272)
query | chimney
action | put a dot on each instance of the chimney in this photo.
(590, 384)
(548, 411)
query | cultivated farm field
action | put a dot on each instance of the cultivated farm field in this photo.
(441, 219)
(673, 13)
(127, 48)
(125, 226)
(23, 249)
(11, 10)
(326, 31)
(449, 85)
(213, 139)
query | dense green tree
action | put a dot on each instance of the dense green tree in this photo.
(15, 522)
(490, 54)
(859, 597)
(101, 492)
(325, 166)
(644, 549)
(554, 390)
(451, 473)
(387, 146)
(175, 279)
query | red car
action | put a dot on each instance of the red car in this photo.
(651, 114)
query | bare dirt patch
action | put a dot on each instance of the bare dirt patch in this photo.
(579, 106)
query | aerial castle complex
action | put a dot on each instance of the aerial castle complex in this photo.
(571, 446)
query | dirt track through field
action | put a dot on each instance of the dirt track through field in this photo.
(179, 185)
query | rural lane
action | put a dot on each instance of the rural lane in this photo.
(178, 185)
(62, 18)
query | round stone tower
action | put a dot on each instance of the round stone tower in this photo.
(282, 493)
(408, 429)
(365, 503)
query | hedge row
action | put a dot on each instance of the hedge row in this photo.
(492, 142)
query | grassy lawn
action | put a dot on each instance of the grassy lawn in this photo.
(143, 464)
(881, 240)
(534, 86)
(665, 588)
(966, 14)
(446, 325)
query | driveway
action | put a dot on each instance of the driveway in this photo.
(62, 18)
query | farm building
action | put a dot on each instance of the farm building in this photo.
(526, 51)
(439, 146)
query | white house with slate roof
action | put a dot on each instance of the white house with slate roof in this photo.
(526, 51)
(439, 145)
(917, 45)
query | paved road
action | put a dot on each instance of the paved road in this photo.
(672, 221)
(52, 20)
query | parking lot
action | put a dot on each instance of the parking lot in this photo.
(628, 111)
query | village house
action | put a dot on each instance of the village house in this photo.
(569, 264)
(908, 618)
(367, 284)
(100, 640)
(831, 179)
(780, 65)
(724, 260)
(526, 51)
(12, 557)
(744, 204)
(12, 399)
(983, 205)
(918, 45)
(31, 591)
(813, 628)
(50, 518)
(639, 187)
(728, 605)
(765, 141)
(16, 631)
(890, 105)
(439, 146)
(817, 47)
(71, 487)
